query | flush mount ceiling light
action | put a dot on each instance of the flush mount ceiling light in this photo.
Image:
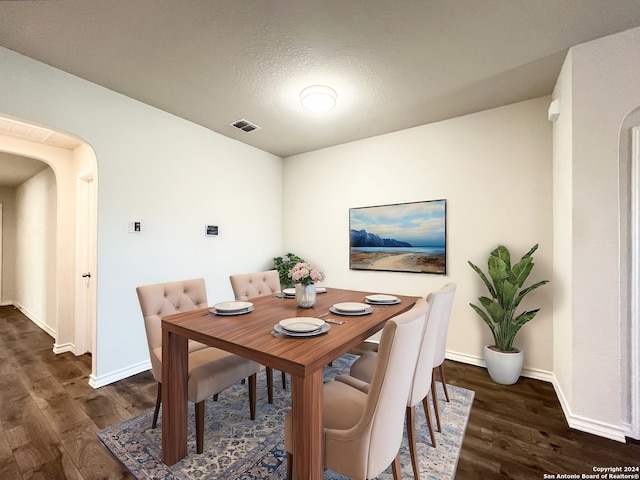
(318, 98)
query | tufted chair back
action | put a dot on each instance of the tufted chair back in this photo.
(250, 285)
(162, 299)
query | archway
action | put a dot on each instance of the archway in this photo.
(629, 160)
(73, 163)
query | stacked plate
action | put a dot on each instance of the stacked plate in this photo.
(232, 308)
(291, 292)
(301, 326)
(380, 299)
(350, 308)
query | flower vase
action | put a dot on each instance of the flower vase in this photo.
(305, 295)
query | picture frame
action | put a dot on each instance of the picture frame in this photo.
(401, 237)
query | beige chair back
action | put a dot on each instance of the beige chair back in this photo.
(162, 299)
(443, 303)
(370, 446)
(250, 285)
(421, 384)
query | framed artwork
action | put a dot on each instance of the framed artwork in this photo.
(403, 237)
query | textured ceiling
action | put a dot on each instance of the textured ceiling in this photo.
(394, 63)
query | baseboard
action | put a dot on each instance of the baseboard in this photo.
(577, 422)
(588, 425)
(34, 318)
(102, 380)
(64, 347)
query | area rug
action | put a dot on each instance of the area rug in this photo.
(237, 448)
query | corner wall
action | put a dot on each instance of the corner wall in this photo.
(494, 170)
(598, 89)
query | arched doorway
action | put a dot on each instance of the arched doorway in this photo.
(73, 164)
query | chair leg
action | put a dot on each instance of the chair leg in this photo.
(427, 413)
(157, 410)
(200, 426)
(284, 381)
(252, 395)
(270, 384)
(411, 437)
(434, 396)
(289, 466)
(396, 469)
(444, 382)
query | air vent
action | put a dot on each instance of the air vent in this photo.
(245, 125)
(19, 129)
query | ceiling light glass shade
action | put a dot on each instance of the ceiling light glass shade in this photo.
(318, 98)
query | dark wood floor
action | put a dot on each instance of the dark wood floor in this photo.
(49, 417)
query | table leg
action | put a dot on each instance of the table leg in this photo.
(306, 409)
(174, 397)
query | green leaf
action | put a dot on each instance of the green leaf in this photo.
(484, 279)
(521, 270)
(502, 252)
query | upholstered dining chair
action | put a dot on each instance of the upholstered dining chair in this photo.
(211, 370)
(363, 370)
(246, 286)
(445, 304)
(363, 428)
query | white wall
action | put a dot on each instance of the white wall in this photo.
(35, 269)
(169, 174)
(599, 89)
(494, 170)
(8, 201)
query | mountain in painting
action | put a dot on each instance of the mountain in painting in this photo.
(362, 238)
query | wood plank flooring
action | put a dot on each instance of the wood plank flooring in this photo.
(49, 416)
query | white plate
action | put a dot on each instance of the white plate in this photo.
(366, 311)
(321, 290)
(380, 298)
(324, 329)
(301, 324)
(350, 307)
(232, 306)
(232, 312)
(395, 302)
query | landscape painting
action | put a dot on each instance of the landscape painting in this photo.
(403, 237)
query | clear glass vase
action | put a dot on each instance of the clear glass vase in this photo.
(305, 295)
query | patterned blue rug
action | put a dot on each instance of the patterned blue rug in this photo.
(235, 447)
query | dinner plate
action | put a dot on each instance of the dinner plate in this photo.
(366, 311)
(350, 307)
(232, 312)
(324, 329)
(395, 302)
(301, 324)
(381, 298)
(232, 306)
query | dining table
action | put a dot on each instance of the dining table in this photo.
(252, 335)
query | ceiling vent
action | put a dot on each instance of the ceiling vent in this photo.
(245, 125)
(24, 130)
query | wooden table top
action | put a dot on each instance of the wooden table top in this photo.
(249, 335)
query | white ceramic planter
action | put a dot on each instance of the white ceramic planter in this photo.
(504, 368)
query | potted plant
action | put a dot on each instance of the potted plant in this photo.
(283, 265)
(503, 360)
